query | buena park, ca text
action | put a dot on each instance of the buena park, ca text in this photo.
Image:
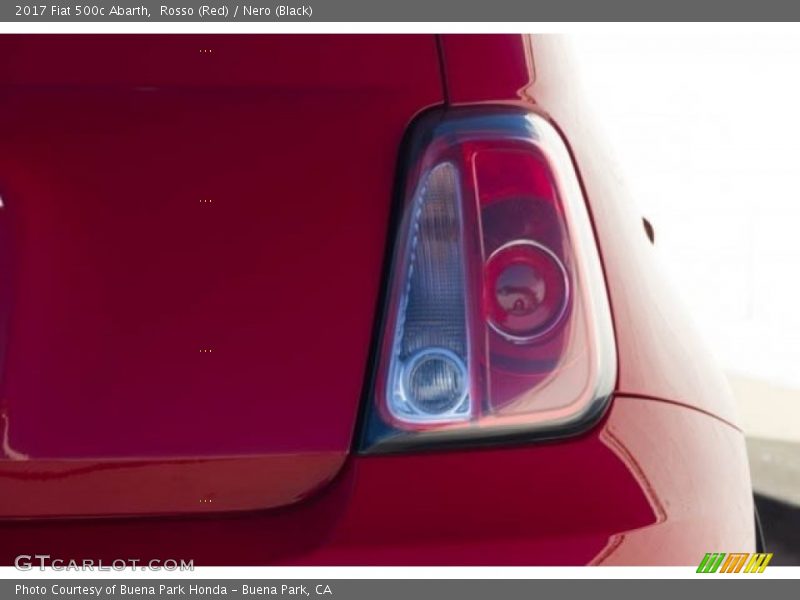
(173, 590)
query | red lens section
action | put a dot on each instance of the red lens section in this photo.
(526, 268)
(526, 290)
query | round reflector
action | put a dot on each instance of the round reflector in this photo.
(526, 289)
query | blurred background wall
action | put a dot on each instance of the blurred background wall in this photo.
(706, 130)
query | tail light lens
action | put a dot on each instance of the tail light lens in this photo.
(496, 324)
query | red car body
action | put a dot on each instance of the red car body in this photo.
(194, 232)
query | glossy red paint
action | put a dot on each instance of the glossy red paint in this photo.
(660, 481)
(647, 486)
(97, 487)
(487, 68)
(192, 270)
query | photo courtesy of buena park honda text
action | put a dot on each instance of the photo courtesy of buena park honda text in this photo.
(351, 299)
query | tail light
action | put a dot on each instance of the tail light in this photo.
(496, 324)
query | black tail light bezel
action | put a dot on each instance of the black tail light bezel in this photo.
(374, 433)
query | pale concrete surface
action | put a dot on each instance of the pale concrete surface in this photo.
(775, 469)
(767, 411)
(770, 417)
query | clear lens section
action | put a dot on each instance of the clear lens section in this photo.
(428, 374)
(497, 324)
(435, 383)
